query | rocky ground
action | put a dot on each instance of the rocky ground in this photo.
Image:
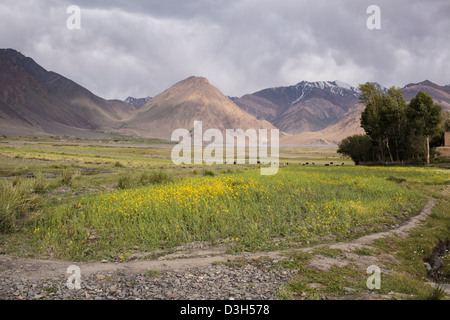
(203, 283)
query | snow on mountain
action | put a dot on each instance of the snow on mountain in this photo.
(335, 87)
(137, 102)
(344, 85)
(379, 86)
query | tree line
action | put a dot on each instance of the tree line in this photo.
(395, 131)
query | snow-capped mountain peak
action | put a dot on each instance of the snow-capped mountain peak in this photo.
(339, 88)
(328, 85)
(344, 85)
(137, 102)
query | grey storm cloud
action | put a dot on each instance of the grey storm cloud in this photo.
(140, 48)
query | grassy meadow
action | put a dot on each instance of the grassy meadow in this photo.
(106, 200)
(245, 209)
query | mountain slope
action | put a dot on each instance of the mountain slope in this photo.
(27, 106)
(46, 102)
(331, 135)
(307, 106)
(179, 106)
(440, 94)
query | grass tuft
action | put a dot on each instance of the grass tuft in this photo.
(155, 177)
(19, 202)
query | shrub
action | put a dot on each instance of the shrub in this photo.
(155, 177)
(67, 176)
(39, 185)
(396, 179)
(359, 147)
(124, 182)
(118, 164)
(17, 198)
(208, 172)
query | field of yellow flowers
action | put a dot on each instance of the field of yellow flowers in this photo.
(245, 210)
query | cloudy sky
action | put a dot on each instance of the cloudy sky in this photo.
(140, 48)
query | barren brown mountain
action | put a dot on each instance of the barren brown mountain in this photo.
(331, 135)
(187, 101)
(27, 106)
(34, 101)
(440, 94)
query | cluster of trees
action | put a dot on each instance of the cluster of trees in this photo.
(395, 130)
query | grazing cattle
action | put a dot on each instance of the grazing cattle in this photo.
(327, 165)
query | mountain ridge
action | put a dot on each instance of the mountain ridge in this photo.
(53, 100)
(306, 106)
(34, 101)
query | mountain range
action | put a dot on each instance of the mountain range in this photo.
(34, 101)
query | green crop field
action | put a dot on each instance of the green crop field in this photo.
(245, 209)
(92, 201)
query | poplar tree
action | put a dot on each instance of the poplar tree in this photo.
(371, 97)
(425, 117)
(384, 120)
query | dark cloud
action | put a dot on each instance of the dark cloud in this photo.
(140, 48)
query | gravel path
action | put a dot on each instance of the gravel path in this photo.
(217, 282)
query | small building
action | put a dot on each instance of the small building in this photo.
(445, 150)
